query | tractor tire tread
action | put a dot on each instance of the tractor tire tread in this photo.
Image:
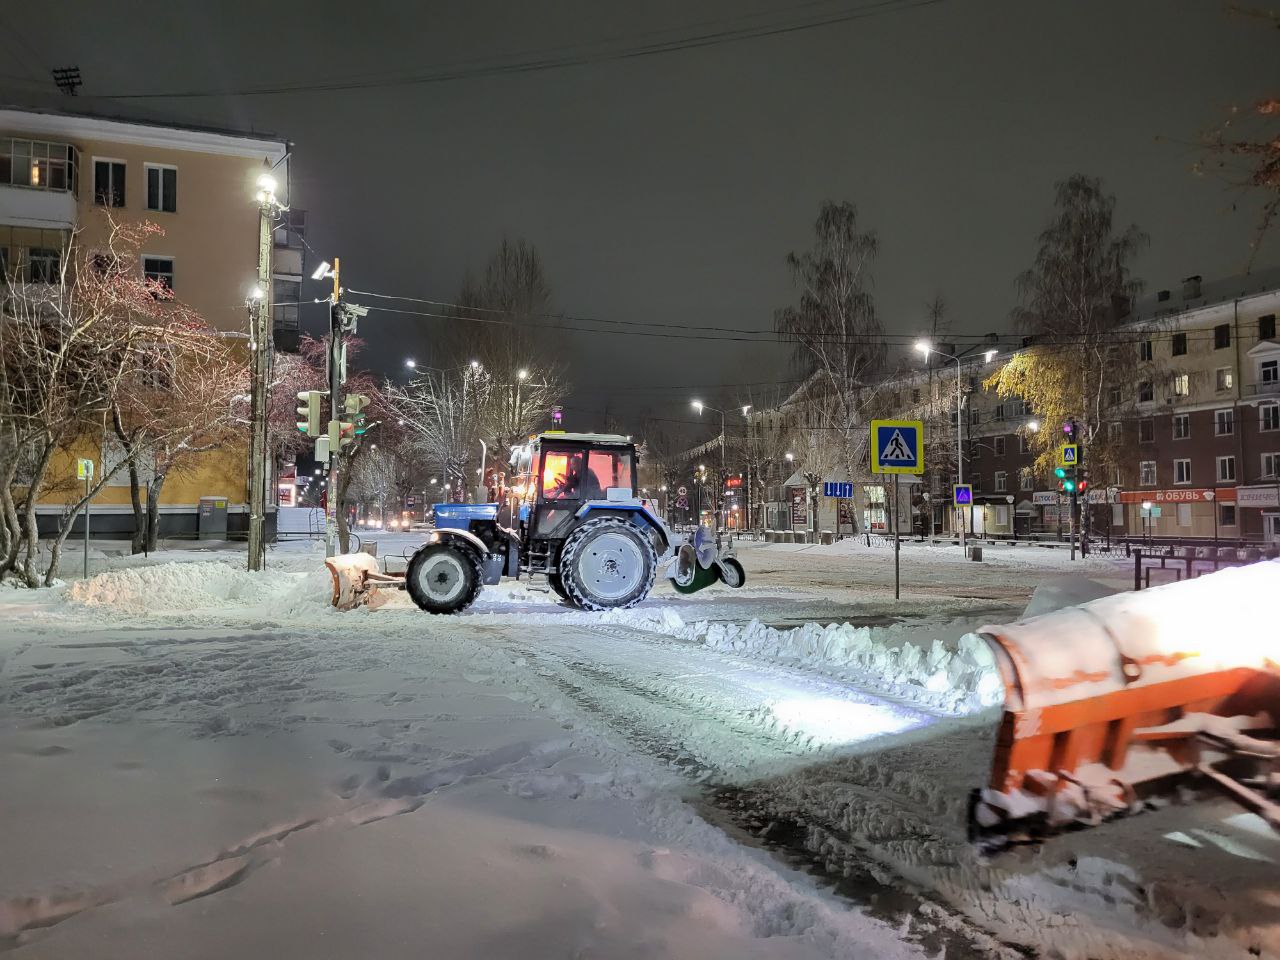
(468, 598)
(568, 554)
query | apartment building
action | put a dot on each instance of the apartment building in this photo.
(62, 171)
(1200, 424)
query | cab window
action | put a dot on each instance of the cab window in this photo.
(562, 474)
(608, 468)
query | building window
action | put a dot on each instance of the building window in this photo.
(1181, 426)
(1145, 391)
(1114, 396)
(1026, 479)
(1184, 514)
(974, 415)
(1227, 515)
(1270, 466)
(915, 396)
(1222, 336)
(1144, 350)
(1147, 473)
(1226, 468)
(1182, 385)
(1115, 431)
(1224, 379)
(1147, 431)
(4, 266)
(1182, 471)
(108, 183)
(159, 269)
(1270, 371)
(1002, 481)
(1179, 344)
(997, 444)
(1224, 423)
(1269, 416)
(998, 413)
(1024, 445)
(1267, 327)
(162, 188)
(45, 264)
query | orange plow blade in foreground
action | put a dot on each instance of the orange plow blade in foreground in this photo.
(1119, 699)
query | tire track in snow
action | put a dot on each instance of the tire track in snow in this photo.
(654, 716)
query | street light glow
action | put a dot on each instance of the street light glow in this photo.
(988, 355)
(745, 409)
(256, 292)
(324, 270)
(697, 405)
(267, 183)
(411, 363)
(923, 346)
(1033, 425)
(523, 374)
(790, 457)
(475, 364)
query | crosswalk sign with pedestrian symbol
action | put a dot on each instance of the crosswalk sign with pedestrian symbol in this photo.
(897, 446)
(1068, 455)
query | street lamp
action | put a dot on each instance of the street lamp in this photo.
(925, 348)
(523, 374)
(1033, 425)
(411, 363)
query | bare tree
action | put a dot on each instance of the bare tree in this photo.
(75, 345)
(1244, 150)
(1074, 298)
(838, 337)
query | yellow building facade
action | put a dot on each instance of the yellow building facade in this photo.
(61, 173)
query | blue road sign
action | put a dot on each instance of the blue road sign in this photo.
(963, 494)
(837, 488)
(897, 446)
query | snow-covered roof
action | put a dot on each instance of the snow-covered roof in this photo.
(613, 438)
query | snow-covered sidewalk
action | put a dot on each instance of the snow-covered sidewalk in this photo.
(200, 762)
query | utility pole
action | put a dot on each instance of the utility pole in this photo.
(336, 358)
(269, 208)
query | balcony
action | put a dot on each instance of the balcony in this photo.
(38, 183)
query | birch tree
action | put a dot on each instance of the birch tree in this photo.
(839, 341)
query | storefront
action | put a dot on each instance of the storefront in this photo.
(1200, 512)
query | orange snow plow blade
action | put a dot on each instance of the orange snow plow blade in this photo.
(1119, 699)
(356, 577)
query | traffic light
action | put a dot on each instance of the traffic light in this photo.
(352, 404)
(309, 412)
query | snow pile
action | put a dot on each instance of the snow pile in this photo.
(956, 674)
(179, 588)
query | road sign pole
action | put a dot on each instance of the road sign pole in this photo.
(897, 542)
(88, 477)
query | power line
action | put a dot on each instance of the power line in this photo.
(743, 334)
(534, 62)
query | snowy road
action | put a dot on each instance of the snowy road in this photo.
(199, 764)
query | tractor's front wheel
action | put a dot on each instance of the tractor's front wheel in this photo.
(607, 564)
(443, 578)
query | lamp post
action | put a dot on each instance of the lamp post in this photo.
(269, 209)
(925, 348)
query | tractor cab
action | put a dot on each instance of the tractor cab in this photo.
(557, 474)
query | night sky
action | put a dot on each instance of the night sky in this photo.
(670, 187)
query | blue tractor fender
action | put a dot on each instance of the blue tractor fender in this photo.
(639, 511)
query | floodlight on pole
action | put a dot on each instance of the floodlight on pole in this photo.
(411, 363)
(923, 346)
(989, 355)
(697, 405)
(322, 272)
(523, 374)
(745, 408)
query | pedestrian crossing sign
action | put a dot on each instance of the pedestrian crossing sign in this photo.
(897, 446)
(1068, 455)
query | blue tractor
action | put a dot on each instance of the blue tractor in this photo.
(572, 516)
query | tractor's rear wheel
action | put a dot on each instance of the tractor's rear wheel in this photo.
(443, 577)
(607, 564)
